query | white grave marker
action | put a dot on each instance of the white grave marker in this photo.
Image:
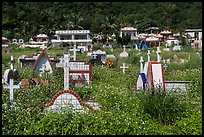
(148, 56)
(158, 54)
(74, 50)
(141, 64)
(94, 56)
(123, 67)
(65, 65)
(11, 85)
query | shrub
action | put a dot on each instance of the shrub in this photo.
(163, 106)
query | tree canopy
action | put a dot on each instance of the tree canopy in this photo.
(27, 19)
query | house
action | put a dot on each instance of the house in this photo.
(130, 31)
(152, 30)
(194, 34)
(152, 41)
(197, 44)
(166, 34)
(5, 45)
(78, 37)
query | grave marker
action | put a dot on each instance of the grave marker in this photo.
(141, 64)
(148, 56)
(123, 67)
(158, 54)
(11, 85)
(65, 65)
(74, 50)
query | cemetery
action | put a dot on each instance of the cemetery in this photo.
(147, 84)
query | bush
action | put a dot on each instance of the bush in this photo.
(163, 106)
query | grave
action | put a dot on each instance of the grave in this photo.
(151, 76)
(79, 72)
(74, 51)
(166, 49)
(9, 74)
(66, 100)
(101, 55)
(124, 53)
(24, 60)
(123, 67)
(42, 64)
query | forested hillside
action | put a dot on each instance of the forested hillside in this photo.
(26, 19)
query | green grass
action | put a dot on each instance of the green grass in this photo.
(123, 110)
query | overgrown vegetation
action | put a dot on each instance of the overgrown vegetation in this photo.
(124, 111)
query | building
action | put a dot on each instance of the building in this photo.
(130, 31)
(193, 34)
(79, 37)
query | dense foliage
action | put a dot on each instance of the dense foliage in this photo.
(27, 19)
(124, 111)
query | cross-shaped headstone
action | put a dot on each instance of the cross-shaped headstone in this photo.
(158, 54)
(123, 47)
(65, 65)
(43, 69)
(148, 56)
(94, 56)
(11, 85)
(74, 50)
(141, 64)
(123, 67)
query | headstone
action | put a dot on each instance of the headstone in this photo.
(124, 53)
(158, 54)
(11, 85)
(65, 65)
(74, 50)
(141, 64)
(80, 73)
(66, 100)
(155, 76)
(148, 56)
(123, 67)
(101, 55)
(94, 56)
(42, 60)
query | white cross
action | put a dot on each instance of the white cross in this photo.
(158, 54)
(11, 85)
(43, 69)
(141, 64)
(74, 50)
(65, 65)
(94, 56)
(123, 47)
(136, 47)
(123, 67)
(148, 56)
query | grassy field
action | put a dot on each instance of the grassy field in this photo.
(124, 111)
